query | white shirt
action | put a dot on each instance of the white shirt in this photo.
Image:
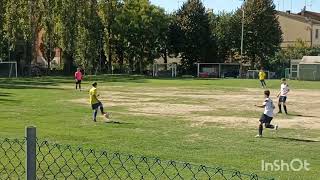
(269, 107)
(284, 90)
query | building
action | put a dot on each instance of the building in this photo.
(303, 26)
(306, 69)
(310, 14)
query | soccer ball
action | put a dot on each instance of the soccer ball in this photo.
(107, 115)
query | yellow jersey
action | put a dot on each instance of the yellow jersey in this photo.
(93, 96)
(262, 75)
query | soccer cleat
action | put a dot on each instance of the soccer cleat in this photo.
(280, 112)
(258, 136)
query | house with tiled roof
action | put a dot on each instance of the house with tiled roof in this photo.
(303, 26)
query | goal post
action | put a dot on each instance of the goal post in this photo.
(164, 70)
(8, 69)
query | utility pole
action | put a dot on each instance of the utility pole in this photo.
(242, 36)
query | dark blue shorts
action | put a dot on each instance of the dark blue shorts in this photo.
(96, 106)
(266, 119)
(283, 99)
(78, 81)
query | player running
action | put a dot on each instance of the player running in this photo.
(284, 90)
(267, 116)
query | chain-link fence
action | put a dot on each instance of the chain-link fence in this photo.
(55, 161)
(12, 159)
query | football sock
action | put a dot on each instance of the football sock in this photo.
(270, 126)
(260, 129)
(280, 108)
(285, 109)
(101, 109)
(95, 112)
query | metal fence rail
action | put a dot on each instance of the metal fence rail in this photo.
(55, 161)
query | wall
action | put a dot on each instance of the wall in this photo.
(293, 30)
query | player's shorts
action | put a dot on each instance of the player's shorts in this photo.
(78, 81)
(283, 99)
(96, 105)
(266, 119)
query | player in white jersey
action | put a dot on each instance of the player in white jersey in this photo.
(283, 94)
(267, 115)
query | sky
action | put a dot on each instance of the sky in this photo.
(230, 5)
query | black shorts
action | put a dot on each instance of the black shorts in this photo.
(78, 81)
(283, 99)
(266, 119)
(96, 106)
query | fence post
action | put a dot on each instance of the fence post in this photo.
(31, 153)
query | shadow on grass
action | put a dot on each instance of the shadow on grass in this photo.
(116, 122)
(32, 83)
(2, 94)
(118, 78)
(9, 100)
(300, 115)
(294, 139)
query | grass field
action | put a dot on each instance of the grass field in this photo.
(211, 122)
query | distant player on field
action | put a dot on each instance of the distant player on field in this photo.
(95, 103)
(283, 94)
(267, 115)
(78, 77)
(262, 77)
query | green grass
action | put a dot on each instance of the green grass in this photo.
(45, 103)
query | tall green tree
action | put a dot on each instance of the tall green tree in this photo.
(19, 30)
(221, 26)
(108, 10)
(3, 52)
(262, 32)
(141, 26)
(88, 36)
(197, 44)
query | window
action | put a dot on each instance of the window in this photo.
(317, 33)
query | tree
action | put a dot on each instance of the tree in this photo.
(196, 43)
(19, 30)
(221, 26)
(3, 45)
(262, 35)
(88, 34)
(140, 29)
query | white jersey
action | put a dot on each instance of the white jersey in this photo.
(284, 90)
(268, 107)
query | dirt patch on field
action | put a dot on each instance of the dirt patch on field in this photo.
(214, 107)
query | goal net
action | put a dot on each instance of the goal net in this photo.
(254, 74)
(218, 70)
(8, 69)
(164, 70)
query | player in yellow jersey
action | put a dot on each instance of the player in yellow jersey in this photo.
(262, 77)
(95, 103)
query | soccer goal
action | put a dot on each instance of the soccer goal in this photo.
(218, 70)
(8, 69)
(254, 74)
(164, 70)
